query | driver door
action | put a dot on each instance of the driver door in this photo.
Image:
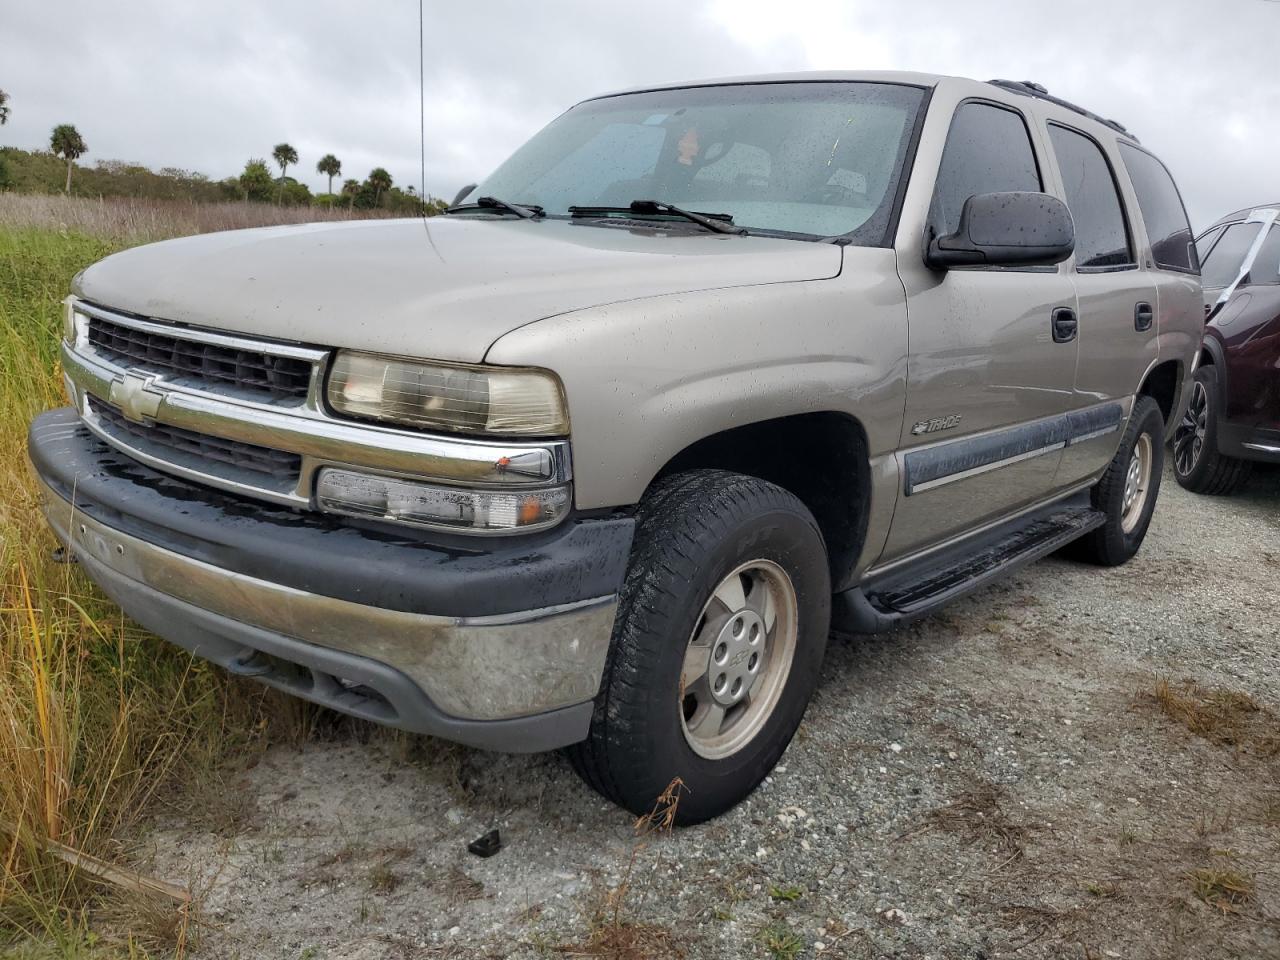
(989, 372)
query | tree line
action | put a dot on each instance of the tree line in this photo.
(34, 171)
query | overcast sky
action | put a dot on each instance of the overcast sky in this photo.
(205, 86)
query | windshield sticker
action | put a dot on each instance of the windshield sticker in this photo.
(657, 119)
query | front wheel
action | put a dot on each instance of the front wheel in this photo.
(1127, 492)
(721, 628)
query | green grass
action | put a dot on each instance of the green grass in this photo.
(779, 941)
(97, 719)
(786, 894)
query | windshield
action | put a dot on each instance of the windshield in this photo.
(822, 159)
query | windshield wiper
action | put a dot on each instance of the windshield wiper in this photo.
(719, 222)
(525, 211)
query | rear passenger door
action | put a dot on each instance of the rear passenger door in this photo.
(985, 376)
(1116, 300)
(1169, 257)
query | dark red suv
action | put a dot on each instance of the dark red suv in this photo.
(1233, 417)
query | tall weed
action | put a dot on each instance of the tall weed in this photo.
(96, 716)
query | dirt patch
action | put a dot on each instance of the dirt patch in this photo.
(1075, 763)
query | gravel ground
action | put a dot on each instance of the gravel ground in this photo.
(998, 780)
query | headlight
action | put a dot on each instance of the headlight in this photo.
(426, 504)
(435, 396)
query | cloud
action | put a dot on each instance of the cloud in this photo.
(1180, 74)
(206, 86)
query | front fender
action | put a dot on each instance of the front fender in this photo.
(647, 378)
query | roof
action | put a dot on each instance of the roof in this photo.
(1028, 88)
(1021, 88)
(811, 76)
(1241, 214)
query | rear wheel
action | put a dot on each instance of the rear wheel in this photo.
(1127, 492)
(721, 629)
(1197, 464)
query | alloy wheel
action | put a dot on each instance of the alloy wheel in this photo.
(738, 659)
(1188, 439)
(1137, 481)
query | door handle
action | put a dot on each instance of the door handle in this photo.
(1143, 315)
(1065, 325)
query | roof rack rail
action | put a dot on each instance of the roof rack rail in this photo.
(1029, 89)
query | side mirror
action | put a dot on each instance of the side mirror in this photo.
(462, 194)
(1006, 230)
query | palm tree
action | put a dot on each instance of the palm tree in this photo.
(380, 180)
(284, 155)
(67, 143)
(331, 166)
(4, 108)
(349, 190)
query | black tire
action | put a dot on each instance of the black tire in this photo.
(1200, 468)
(1111, 544)
(693, 530)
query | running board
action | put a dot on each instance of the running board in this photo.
(921, 588)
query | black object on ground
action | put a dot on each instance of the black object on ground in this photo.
(487, 845)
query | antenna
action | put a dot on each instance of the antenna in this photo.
(422, 112)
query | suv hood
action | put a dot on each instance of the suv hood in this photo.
(446, 289)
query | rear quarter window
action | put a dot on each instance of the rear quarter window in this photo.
(1165, 217)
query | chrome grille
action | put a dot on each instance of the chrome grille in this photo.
(245, 414)
(281, 377)
(279, 465)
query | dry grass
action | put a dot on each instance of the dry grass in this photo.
(382, 879)
(461, 887)
(1226, 890)
(978, 815)
(614, 932)
(1224, 717)
(128, 221)
(97, 719)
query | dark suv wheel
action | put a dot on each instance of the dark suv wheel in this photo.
(721, 629)
(1197, 464)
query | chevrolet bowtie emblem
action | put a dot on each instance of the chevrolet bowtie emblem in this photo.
(132, 396)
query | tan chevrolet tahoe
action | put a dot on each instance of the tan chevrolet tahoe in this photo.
(599, 459)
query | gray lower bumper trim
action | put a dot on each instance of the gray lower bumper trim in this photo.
(373, 691)
(484, 669)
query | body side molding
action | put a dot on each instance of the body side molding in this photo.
(960, 459)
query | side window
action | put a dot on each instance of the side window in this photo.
(1266, 267)
(1205, 242)
(1162, 210)
(988, 150)
(1102, 239)
(1224, 260)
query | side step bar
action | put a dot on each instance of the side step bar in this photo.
(921, 588)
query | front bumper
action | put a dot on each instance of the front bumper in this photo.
(498, 644)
